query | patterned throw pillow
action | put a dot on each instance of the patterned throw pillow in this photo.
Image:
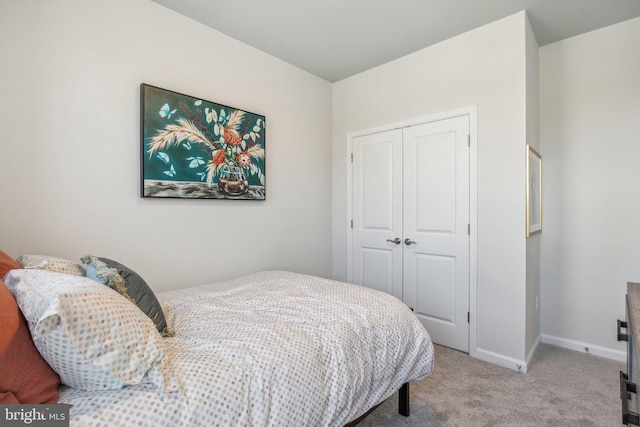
(88, 333)
(50, 263)
(130, 285)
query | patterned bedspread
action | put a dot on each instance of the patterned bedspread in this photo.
(275, 349)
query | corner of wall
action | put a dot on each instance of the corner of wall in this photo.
(533, 253)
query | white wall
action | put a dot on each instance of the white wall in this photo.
(69, 148)
(590, 127)
(484, 67)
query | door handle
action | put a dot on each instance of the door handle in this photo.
(409, 242)
(397, 241)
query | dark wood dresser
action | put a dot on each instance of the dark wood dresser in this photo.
(629, 380)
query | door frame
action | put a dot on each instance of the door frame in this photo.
(472, 113)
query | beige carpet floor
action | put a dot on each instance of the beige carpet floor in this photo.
(562, 388)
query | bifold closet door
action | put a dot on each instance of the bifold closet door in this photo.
(436, 228)
(410, 222)
(377, 212)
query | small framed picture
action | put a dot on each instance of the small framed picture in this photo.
(534, 191)
(192, 148)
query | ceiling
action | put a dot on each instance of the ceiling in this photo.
(335, 39)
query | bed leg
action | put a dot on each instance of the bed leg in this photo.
(403, 400)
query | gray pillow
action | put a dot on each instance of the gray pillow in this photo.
(134, 287)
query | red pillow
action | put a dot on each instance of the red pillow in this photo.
(25, 377)
(7, 263)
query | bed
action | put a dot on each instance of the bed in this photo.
(268, 349)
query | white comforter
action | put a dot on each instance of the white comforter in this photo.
(277, 349)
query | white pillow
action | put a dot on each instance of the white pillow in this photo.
(88, 333)
(49, 263)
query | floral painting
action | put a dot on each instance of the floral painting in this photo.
(192, 148)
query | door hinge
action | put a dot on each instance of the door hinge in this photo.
(351, 223)
(351, 157)
(468, 140)
(468, 317)
(469, 229)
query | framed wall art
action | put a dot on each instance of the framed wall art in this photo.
(534, 191)
(197, 149)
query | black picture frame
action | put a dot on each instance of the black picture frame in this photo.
(197, 149)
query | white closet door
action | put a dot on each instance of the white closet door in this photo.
(436, 219)
(377, 211)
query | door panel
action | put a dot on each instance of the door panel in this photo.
(377, 269)
(438, 299)
(436, 217)
(377, 211)
(434, 166)
(377, 186)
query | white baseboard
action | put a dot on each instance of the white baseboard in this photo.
(532, 351)
(608, 353)
(522, 365)
(501, 360)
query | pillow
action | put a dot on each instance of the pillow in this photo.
(25, 377)
(7, 263)
(50, 263)
(88, 333)
(98, 271)
(128, 283)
